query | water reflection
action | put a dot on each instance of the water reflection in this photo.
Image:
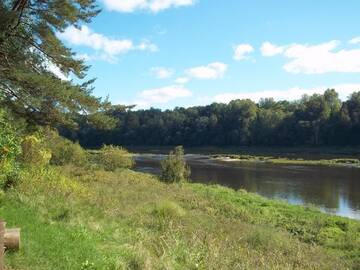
(334, 190)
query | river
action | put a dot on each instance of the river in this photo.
(335, 190)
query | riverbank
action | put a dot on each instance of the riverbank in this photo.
(82, 218)
(322, 156)
(300, 151)
(343, 162)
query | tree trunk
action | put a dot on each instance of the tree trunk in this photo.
(12, 239)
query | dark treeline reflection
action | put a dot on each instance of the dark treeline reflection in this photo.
(324, 187)
(313, 120)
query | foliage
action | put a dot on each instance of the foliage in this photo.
(30, 48)
(9, 151)
(65, 151)
(34, 152)
(174, 168)
(9, 142)
(128, 220)
(10, 175)
(317, 120)
(113, 157)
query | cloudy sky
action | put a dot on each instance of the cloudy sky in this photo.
(167, 53)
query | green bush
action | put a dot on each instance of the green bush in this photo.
(65, 151)
(10, 174)
(174, 168)
(9, 141)
(168, 209)
(9, 151)
(34, 151)
(113, 157)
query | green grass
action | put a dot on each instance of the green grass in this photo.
(81, 218)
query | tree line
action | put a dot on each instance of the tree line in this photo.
(319, 119)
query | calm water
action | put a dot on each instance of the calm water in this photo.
(334, 190)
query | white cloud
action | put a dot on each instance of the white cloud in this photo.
(182, 80)
(268, 49)
(321, 59)
(149, 5)
(355, 40)
(86, 37)
(294, 93)
(148, 98)
(109, 47)
(162, 72)
(242, 50)
(317, 59)
(211, 71)
(146, 45)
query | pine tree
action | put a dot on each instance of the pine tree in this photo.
(29, 46)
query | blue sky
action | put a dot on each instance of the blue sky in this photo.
(167, 53)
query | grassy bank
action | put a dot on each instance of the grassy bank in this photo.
(79, 218)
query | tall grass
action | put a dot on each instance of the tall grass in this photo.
(80, 218)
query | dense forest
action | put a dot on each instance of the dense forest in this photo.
(313, 120)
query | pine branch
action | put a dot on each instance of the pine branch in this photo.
(19, 7)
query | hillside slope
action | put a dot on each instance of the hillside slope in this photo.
(78, 218)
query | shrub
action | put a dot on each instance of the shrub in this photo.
(9, 174)
(66, 152)
(9, 141)
(9, 151)
(168, 209)
(174, 168)
(34, 151)
(114, 157)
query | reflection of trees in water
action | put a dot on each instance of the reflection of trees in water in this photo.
(334, 185)
(320, 186)
(352, 196)
(322, 191)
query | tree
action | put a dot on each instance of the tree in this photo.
(30, 49)
(315, 120)
(267, 122)
(242, 115)
(174, 168)
(352, 108)
(315, 111)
